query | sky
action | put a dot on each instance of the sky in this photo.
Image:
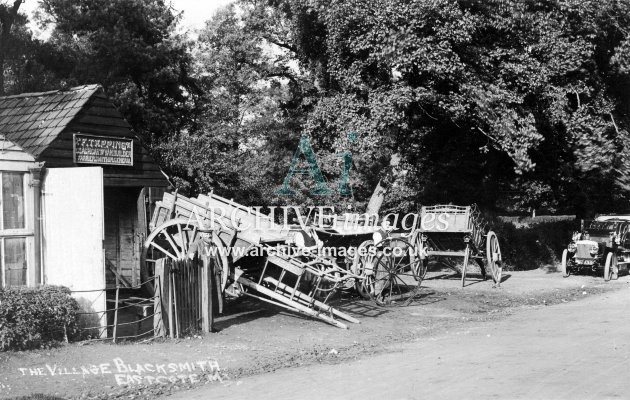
(196, 12)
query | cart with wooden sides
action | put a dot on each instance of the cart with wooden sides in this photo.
(446, 233)
(253, 256)
(385, 263)
(601, 246)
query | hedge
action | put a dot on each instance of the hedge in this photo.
(535, 246)
(33, 317)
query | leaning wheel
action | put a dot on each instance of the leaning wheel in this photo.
(179, 239)
(395, 281)
(565, 268)
(493, 254)
(363, 266)
(610, 267)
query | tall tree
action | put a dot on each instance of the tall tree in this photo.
(251, 114)
(9, 15)
(504, 103)
(132, 48)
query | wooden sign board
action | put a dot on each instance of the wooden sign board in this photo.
(444, 222)
(103, 150)
(445, 218)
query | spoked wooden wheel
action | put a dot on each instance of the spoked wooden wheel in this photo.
(565, 268)
(421, 270)
(363, 266)
(493, 254)
(179, 239)
(610, 267)
(423, 262)
(395, 281)
(328, 284)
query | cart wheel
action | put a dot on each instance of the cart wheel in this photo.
(421, 271)
(615, 267)
(423, 264)
(610, 267)
(395, 282)
(179, 239)
(363, 266)
(493, 254)
(565, 268)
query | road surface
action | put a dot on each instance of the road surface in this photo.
(575, 350)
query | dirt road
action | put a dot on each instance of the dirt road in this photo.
(576, 350)
(430, 336)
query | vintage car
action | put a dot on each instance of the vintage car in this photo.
(601, 246)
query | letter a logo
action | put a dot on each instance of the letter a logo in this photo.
(313, 169)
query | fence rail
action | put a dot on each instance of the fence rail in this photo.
(110, 331)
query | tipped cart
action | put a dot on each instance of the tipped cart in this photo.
(253, 256)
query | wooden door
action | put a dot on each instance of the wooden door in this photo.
(140, 276)
(73, 235)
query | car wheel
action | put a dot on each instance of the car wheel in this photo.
(607, 267)
(565, 268)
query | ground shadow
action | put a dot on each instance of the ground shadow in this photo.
(471, 279)
(427, 297)
(241, 310)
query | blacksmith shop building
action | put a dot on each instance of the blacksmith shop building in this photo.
(75, 184)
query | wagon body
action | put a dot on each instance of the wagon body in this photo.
(252, 254)
(446, 232)
(358, 242)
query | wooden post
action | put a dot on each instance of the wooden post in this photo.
(176, 303)
(466, 255)
(376, 201)
(207, 312)
(160, 303)
(116, 314)
(171, 319)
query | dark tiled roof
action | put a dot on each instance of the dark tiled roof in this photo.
(34, 120)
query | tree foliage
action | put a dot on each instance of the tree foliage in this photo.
(514, 105)
(518, 104)
(133, 49)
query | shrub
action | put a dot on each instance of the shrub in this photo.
(32, 317)
(533, 246)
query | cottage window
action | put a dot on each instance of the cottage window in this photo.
(13, 232)
(12, 200)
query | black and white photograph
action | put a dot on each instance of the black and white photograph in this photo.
(314, 199)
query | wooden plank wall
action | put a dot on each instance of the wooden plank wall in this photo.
(122, 232)
(100, 117)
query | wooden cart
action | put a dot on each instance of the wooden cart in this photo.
(386, 263)
(446, 232)
(255, 257)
